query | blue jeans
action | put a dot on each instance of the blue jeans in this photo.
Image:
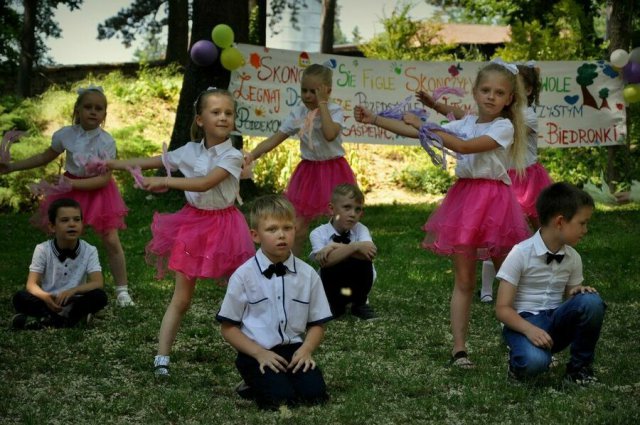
(577, 322)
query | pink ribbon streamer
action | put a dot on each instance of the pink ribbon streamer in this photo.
(94, 164)
(307, 127)
(165, 159)
(44, 188)
(441, 91)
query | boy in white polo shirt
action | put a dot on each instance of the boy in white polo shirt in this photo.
(541, 299)
(65, 281)
(274, 313)
(345, 252)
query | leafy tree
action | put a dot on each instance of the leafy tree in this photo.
(406, 39)
(142, 18)
(152, 50)
(566, 26)
(22, 47)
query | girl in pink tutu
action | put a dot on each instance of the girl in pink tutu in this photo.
(95, 190)
(479, 218)
(318, 123)
(526, 186)
(209, 237)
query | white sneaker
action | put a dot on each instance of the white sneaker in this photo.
(123, 299)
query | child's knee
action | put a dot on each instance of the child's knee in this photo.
(531, 362)
(592, 306)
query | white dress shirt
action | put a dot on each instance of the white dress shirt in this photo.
(274, 311)
(85, 144)
(540, 286)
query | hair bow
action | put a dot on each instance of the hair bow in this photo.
(530, 64)
(509, 66)
(208, 89)
(90, 87)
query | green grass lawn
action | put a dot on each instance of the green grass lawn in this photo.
(389, 371)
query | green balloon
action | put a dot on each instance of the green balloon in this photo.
(631, 93)
(222, 35)
(231, 58)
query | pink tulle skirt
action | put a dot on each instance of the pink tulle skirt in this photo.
(103, 209)
(479, 218)
(199, 243)
(528, 187)
(312, 182)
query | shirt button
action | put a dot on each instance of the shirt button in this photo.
(282, 321)
(278, 297)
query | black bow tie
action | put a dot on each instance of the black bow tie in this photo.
(341, 238)
(63, 254)
(278, 268)
(557, 257)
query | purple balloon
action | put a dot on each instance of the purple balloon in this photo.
(204, 53)
(631, 72)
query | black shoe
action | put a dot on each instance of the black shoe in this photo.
(18, 321)
(364, 311)
(583, 376)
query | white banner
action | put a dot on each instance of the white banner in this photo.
(581, 102)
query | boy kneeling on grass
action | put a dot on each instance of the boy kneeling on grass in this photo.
(274, 313)
(64, 286)
(541, 299)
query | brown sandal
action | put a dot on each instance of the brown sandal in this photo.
(461, 360)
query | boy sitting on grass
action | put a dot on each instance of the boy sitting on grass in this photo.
(65, 282)
(541, 299)
(345, 251)
(274, 313)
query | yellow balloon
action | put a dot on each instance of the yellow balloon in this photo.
(631, 93)
(222, 35)
(231, 58)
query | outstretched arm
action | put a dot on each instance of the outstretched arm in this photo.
(143, 163)
(428, 101)
(190, 184)
(266, 146)
(34, 161)
(401, 128)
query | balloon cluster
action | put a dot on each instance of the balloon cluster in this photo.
(629, 64)
(205, 53)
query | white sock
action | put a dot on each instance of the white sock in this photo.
(161, 361)
(122, 288)
(488, 275)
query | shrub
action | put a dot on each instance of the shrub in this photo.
(424, 178)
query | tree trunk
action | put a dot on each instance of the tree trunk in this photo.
(261, 23)
(328, 22)
(619, 17)
(206, 15)
(178, 37)
(27, 48)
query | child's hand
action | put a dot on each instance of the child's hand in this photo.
(323, 255)
(425, 99)
(302, 359)
(581, 290)
(368, 249)
(52, 303)
(155, 184)
(62, 298)
(322, 93)
(275, 362)
(539, 338)
(412, 120)
(363, 115)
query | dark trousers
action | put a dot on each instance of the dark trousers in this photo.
(353, 274)
(81, 304)
(576, 323)
(271, 389)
